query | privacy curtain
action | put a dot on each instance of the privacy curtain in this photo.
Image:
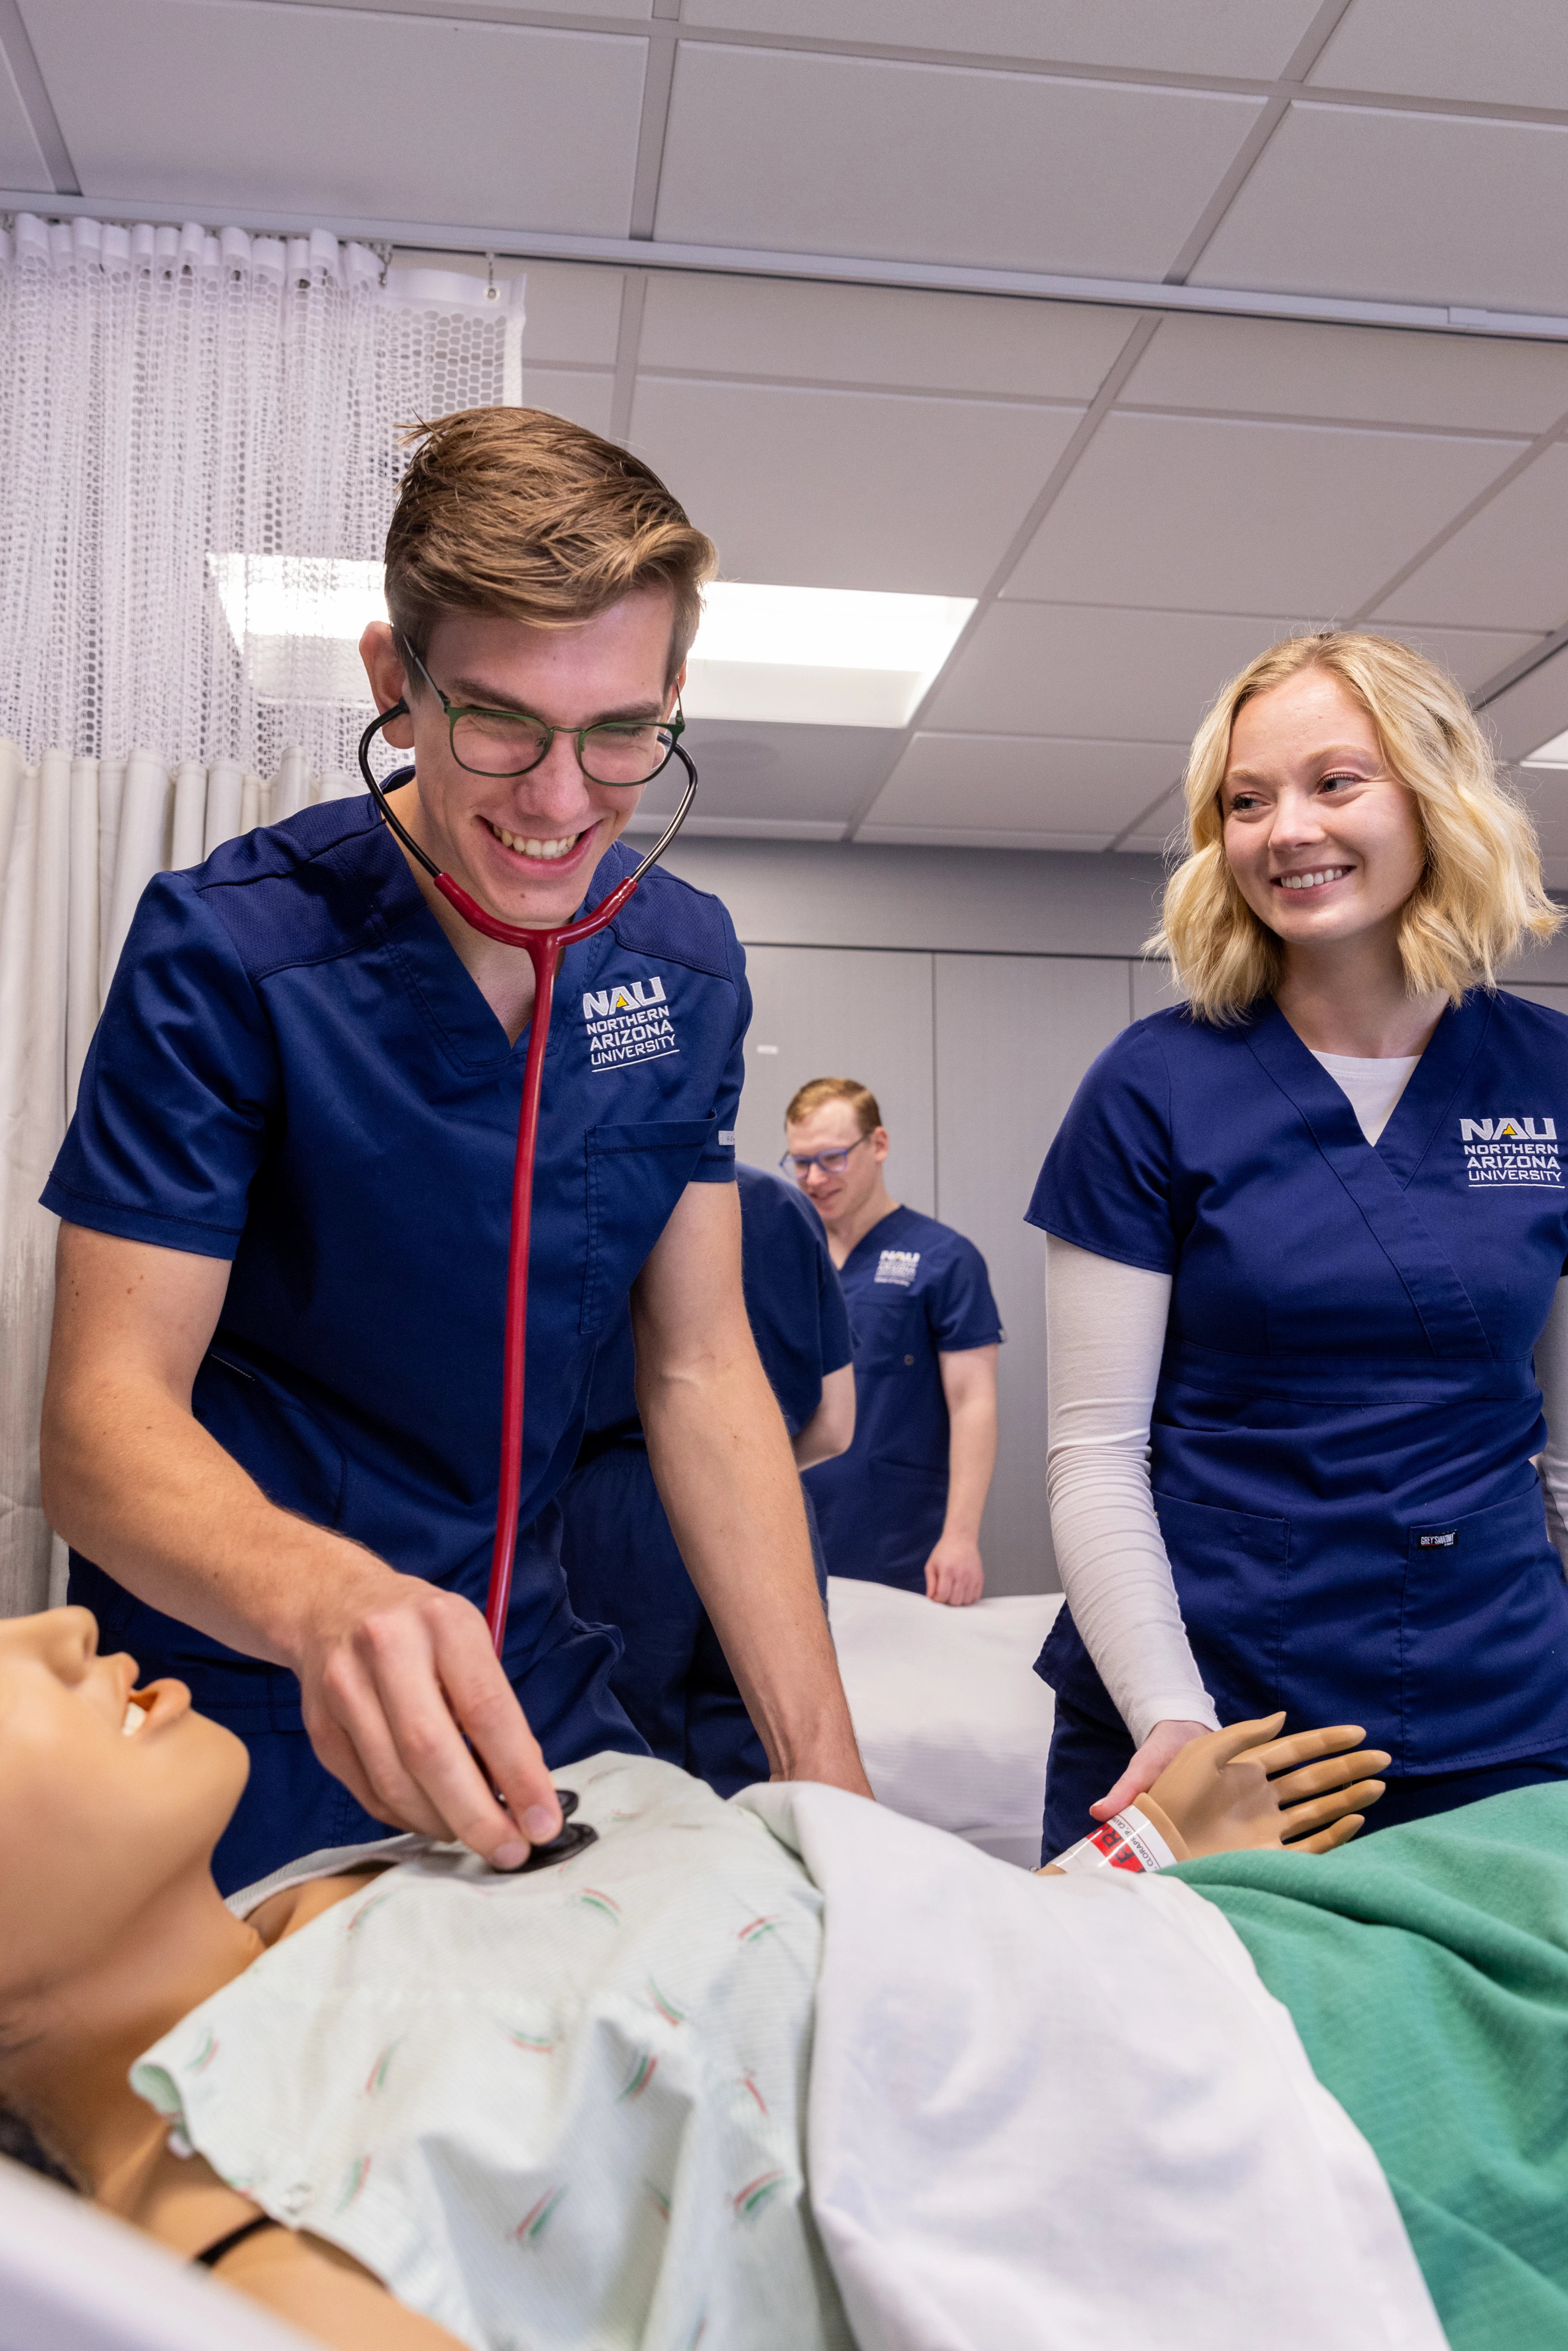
(199, 451)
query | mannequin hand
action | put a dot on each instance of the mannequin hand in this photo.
(1164, 1740)
(953, 1573)
(402, 1695)
(1244, 1787)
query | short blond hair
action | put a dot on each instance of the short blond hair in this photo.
(817, 1091)
(1481, 892)
(516, 512)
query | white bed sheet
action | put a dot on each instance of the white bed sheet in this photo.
(953, 1723)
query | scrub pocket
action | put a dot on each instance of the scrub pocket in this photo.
(634, 1176)
(1483, 1638)
(1231, 1574)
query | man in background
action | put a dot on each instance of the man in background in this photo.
(902, 1505)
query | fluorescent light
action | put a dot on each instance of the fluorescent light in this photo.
(818, 656)
(1551, 755)
(297, 620)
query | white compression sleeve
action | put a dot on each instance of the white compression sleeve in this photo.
(1105, 1332)
(1551, 1371)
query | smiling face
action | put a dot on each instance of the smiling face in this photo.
(838, 1197)
(526, 846)
(1324, 845)
(94, 1822)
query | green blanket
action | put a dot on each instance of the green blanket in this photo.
(1427, 1970)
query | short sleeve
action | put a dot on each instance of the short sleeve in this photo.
(177, 1088)
(716, 1164)
(960, 1311)
(1106, 1182)
(835, 1337)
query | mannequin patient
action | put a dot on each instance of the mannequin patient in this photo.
(547, 2108)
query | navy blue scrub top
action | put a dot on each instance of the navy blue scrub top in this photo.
(1347, 1405)
(295, 1072)
(916, 1289)
(793, 1303)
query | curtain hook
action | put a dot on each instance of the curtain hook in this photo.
(492, 291)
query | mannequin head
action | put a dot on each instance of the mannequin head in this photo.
(96, 1828)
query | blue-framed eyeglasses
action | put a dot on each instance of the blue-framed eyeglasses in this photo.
(800, 1163)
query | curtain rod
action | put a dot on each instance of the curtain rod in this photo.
(821, 269)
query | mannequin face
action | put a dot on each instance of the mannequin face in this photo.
(94, 1825)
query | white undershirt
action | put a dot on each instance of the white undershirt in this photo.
(1105, 1326)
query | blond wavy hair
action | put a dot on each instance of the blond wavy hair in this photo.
(1482, 893)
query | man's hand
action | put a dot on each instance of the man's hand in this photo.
(954, 1574)
(393, 1673)
(1165, 1742)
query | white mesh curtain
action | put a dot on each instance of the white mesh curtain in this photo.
(199, 441)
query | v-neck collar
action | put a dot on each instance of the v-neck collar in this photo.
(877, 1232)
(1419, 1110)
(436, 975)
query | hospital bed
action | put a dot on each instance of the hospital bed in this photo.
(954, 1724)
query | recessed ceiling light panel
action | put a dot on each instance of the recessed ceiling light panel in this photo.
(818, 656)
(1549, 755)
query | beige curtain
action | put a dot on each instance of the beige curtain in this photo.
(80, 840)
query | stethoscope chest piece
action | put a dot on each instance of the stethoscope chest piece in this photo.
(575, 1836)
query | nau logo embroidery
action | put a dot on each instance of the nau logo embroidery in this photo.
(897, 1265)
(1510, 1149)
(628, 1021)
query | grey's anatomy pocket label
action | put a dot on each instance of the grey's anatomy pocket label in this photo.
(1437, 1542)
(1510, 1149)
(629, 1020)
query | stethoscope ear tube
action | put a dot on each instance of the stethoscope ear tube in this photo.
(543, 949)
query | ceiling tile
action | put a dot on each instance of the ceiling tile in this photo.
(1064, 669)
(879, 335)
(1409, 207)
(1248, 517)
(831, 489)
(1505, 570)
(1532, 712)
(788, 775)
(1270, 367)
(969, 836)
(584, 394)
(22, 163)
(1019, 783)
(792, 151)
(1472, 657)
(1234, 38)
(249, 102)
(1450, 49)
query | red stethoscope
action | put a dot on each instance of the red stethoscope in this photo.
(544, 949)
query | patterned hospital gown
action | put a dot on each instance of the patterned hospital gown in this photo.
(561, 2110)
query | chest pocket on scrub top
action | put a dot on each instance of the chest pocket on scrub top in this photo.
(634, 1176)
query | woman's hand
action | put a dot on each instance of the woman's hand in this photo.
(1163, 1743)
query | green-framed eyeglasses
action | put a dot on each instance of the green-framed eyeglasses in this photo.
(629, 752)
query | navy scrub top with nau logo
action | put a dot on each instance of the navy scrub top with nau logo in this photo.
(1347, 1405)
(914, 1289)
(295, 1072)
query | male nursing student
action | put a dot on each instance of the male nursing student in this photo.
(623, 1566)
(273, 1412)
(904, 1505)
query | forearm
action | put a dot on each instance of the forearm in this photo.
(1551, 1371)
(971, 1459)
(722, 1461)
(135, 1483)
(1105, 1326)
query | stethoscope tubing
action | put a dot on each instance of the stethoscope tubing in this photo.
(544, 949)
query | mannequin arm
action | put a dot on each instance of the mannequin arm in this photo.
(328, 2295)
(1246, 1787)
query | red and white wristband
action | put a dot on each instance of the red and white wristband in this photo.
(1128, 1841)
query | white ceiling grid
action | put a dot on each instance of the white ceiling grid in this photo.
(1138, 501)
